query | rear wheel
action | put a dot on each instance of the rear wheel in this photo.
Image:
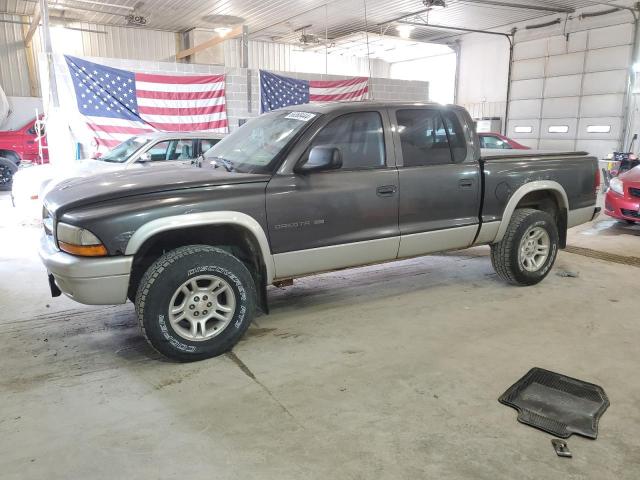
(528, 249)
(7, 169)
(195, 302)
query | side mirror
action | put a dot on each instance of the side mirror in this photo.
(144, 158)
(322, 158)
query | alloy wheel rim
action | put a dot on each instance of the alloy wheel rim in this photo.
(202, 307)
(534, 249)
(5, 175)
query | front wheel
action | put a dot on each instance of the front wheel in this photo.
(528, 249)
(195, 302)
(7, 170)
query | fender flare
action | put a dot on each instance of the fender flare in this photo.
(538, 185)
(175, 222)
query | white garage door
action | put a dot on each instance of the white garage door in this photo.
(568, 94)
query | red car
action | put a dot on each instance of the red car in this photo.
(623, 197)
(18, 146)
(497, 141)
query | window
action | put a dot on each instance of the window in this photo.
(457, 140)
(523, 129)
(423, 137)
(255, 147)
(598, 128)
(207, 143)
(183, 150)
(162, 150)
(490, 141)
(358, 136)
(558, 128)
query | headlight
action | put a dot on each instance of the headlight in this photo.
(79, 241)
(616, 185)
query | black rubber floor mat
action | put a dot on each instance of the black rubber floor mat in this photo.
(556, 403)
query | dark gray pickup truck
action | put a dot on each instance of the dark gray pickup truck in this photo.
(300, 191)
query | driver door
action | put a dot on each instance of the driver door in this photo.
(330, 219)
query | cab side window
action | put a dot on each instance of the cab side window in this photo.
(457, 141)
(162, 150)
(207, 143)
(359, 137)
(423, 137)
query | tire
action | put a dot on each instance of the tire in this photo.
(7, 170)
(524, 267)
(160, 289)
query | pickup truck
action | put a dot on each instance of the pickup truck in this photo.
(18, 146)
(298, 191)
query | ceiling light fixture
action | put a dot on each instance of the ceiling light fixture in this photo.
(434, 4)
(222, 31)
(405, 30)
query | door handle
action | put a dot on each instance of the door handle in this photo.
(465, 183)
(386, 190)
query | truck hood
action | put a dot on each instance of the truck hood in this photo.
(82, 191)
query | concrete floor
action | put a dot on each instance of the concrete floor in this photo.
(381, 372)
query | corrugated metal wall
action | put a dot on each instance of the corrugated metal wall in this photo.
(14, 73)
(132, 43)
(117, 42)
(284, 57)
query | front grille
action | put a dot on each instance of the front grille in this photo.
(635, 192)
(630, 213)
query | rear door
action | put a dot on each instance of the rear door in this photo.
(439, 181)
(332, 219)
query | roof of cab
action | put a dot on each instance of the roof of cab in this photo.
(331, 107)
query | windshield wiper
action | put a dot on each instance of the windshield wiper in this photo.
(227, 164)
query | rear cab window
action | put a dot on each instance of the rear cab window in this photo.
(430, 136)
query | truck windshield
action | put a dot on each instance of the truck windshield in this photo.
(123, 152)
(253, 147)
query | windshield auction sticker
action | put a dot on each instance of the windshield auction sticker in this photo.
(302, 116)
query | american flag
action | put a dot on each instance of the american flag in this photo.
(277, 91)
(117, 104)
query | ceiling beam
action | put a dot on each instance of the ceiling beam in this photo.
(209, 43)
(35, 21)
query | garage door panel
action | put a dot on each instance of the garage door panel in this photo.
(611, 36)
(568, 64)
(526, 89)
(523, 128)
(598, 148)
(525, 108)
(614, 58)
(557, 145)
(577, 42)
(602, 105)
(557, 45)
(560, 107)
(525, 69)
(566, 86)
(595, 128)
(558, 128)
(530, 49)
(614, 81)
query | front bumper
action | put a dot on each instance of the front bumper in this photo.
(622, 208)
(92, 281)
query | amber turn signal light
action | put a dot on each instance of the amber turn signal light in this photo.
(83, 250)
